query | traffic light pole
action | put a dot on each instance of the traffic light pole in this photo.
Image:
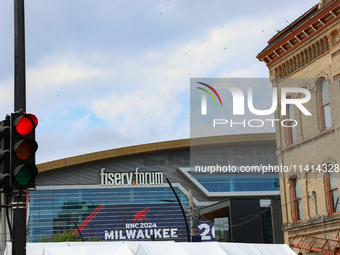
(19, 196)
(19, 57)
(19, 222)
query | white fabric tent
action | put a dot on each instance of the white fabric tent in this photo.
(34, 248)
(150, 248)
(133, 245)
(256, 249)
(109, 249)
(38, 248)
(206, 248)
(153, 248)
(213, 248)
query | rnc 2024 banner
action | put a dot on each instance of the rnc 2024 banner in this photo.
(139, 222)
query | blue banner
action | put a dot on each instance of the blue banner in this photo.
(139, 222)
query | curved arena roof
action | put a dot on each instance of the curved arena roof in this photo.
(258, 139)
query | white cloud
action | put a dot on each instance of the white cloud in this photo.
(6, 96)
(59, 72)
(84, 79)
(144, 95)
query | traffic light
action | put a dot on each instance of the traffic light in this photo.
(23, 148)
(5, 154)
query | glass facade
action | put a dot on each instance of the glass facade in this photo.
(267, 227)
(222, 233)
(242, 156)
(238, 182)
(51, 211)
(101, 207)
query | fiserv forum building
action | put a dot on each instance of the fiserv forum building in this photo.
(119, 194)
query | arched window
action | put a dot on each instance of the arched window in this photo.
(332, 190)
(324, 105)
(291, 130)
(297, 202)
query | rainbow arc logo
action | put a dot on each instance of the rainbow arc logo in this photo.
(204, 97)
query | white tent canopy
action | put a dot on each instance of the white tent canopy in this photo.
(149, 248)
(108, 249)
(256, 249)
(153, 248)
(206, 248)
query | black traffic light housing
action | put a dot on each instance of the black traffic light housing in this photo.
(23, 148)
(5, 155)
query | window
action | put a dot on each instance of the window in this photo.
(333, 194)
(291, 131)
(325, 108)
(222, 232)
(297, 202)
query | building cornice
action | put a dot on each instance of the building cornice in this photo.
(301, 34)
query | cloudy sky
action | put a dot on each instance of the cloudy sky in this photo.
(107, 74)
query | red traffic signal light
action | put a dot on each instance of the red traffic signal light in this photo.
(34, 119)
(24, 146)
(25, 124)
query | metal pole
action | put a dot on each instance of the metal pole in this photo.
(319, 216)
(3, 223)
(180, 204)
(19, 222)
(19, 57)
(191, 202)
(19, 196)
(6, 188)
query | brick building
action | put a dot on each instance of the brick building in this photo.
(309, 51)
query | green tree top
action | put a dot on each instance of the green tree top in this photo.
(64, 237)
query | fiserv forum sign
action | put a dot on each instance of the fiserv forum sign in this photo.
(130, 178)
